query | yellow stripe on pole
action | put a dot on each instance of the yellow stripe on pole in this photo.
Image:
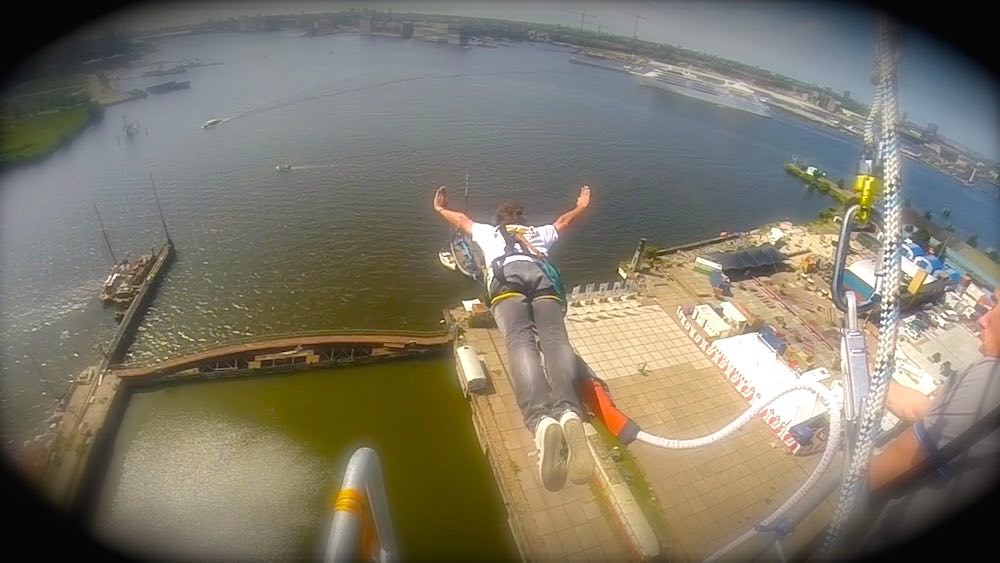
(354, 502)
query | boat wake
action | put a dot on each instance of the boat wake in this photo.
(311, 96)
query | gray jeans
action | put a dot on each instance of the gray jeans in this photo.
(519, 318)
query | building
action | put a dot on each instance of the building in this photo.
(923, 279)
(714, 325)
(736, 319)
(433, 32)
(457, 37)
(756, 370)
(974, 263)
(534, 35)
(248, 23)
(368, 26)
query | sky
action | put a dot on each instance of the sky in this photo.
(827, 44)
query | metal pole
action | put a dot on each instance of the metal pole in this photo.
(362, 490)
(466, 208)
(105, 233)
(34, 363)
(637, 257)
(160, 209)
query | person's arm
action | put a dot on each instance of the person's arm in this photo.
(900, 458)
(907, 404)
(458, 219)
(582, 203)
(953, 412)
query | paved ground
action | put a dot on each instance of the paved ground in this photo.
(665, 382)
(568, 524)
(711, 495)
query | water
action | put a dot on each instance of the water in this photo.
(256, 463)
(349, 238)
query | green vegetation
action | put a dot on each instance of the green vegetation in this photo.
(827, 215)
(821, 183)
(46, 84)
(972, 241)
(649, 252)
(26, 138)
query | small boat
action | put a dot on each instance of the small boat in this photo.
(160, 71)
(168, 86)
(212, 122)
(447, 260)
(111, 284)
(467, 256)
(283, 167)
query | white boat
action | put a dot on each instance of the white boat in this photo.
(211, 122)
(447, 260)
(727, 93)
(283, 167)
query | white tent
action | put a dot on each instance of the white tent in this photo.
(764, 372)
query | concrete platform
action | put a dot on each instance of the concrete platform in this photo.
(659, 377)
(711, 495)
(569, 524)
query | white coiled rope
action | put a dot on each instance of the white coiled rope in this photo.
(855, 482)
(833, 407)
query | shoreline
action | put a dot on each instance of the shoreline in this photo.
(96, 113)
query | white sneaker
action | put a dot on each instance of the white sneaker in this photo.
(550, 442)
(580, 464)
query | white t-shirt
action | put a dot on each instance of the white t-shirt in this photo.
(493, 244)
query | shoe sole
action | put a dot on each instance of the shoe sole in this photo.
(580, 465)
(552, 466)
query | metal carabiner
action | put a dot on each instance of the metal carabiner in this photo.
(853, 361)
(840, 261)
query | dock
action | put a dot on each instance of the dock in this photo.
(133, 315)
(73, 473)
(114, 97)
(94, 397)
(575, 522)
(821, 183)
(696, 244)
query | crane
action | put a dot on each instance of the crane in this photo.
(635, 33)
(583, 16)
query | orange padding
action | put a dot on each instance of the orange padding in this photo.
(596, 398)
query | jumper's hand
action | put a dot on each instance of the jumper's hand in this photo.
(440, 199)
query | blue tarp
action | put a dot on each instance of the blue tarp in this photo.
(771, 338)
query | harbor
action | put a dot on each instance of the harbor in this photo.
(682, 351)
(661, 342)
(221, 407)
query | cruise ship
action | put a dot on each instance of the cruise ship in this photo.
(728, 93)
